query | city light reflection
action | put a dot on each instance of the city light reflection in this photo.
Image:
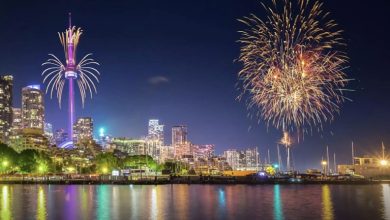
(221, 197)
(154, 211)
(278, 207)
(103, 209)
(386, 201)
(327, 206)
(41, 204)
(5, 212)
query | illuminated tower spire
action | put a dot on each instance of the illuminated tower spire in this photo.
(70, 74)
(83, 73)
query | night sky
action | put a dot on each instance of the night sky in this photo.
(174, 60)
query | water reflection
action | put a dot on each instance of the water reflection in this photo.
(103, 203)
(221, 198)
(5, 212)
(278, 213)
(195, 202)
(386, 200)
(41, 204)
(327, 206)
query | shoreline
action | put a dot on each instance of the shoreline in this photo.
(190, 182)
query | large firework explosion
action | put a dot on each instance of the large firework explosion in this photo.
(84, 71)
(293, 69)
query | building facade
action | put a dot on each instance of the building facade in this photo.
(247, 159)
(181, 145)
(83, 130)
(17, 125)
(48, 132)
(129, 146)
(6, 87)
(33, 109)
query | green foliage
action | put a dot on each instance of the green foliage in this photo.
(33, 161)
(106, 162)
(176, 167)
(138, 161)
(8, 159)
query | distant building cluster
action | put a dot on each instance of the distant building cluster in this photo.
(25, 127)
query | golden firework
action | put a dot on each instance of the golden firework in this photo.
(293, 68)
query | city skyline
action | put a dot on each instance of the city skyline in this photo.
(206, 105)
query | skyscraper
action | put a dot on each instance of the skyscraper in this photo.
(6, 85)
(33, 109)
(155, 139)
(156, 130)
(181, 146)
(17, 125)
(179, 135)
(83, 130)
(48, 132)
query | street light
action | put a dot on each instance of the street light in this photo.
(5, 163)
(383, 162)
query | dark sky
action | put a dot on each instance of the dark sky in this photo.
(173, 60)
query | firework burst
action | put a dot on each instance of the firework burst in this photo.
(55, 75)
(293, 70)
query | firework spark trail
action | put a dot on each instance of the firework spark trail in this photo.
(54, 74)
(292, 69)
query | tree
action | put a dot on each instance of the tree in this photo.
(8, 158)
(106, 162)
(33, 161)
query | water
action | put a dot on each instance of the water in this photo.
(198, 202)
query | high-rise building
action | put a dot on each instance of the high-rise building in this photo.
(83, 130)
(17, 125)
(33, 109)
(6, 85)
(250, 159)
(60, 136)
(203, 151)
(48, 132)
(156, 131)
(181, 146)
(155, 139)
(179, 134)
(232, 158)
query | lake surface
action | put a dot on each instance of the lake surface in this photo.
(198, 202)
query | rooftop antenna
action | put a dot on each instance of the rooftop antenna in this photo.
(70, 20)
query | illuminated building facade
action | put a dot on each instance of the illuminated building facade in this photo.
(203, 151)
(181, 145)
(17, 125)
(155, 139)
(60, 136)
(48, 132)
(129, 146)
(6, 85)
(156, 130)
(33, 109)
(247, 159)
(83, 130)
(232, 158)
